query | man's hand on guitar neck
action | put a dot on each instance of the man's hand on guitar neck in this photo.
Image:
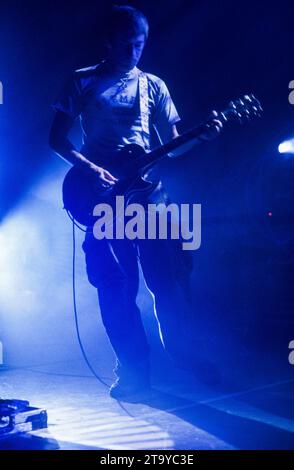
(214, 125)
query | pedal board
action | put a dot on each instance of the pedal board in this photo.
(17, 416)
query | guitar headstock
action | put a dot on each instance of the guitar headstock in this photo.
(243, 109)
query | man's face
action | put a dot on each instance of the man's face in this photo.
(125, 51)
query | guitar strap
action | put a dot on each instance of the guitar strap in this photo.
(144, 109)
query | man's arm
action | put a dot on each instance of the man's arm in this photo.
(212, 132)
(60, 143)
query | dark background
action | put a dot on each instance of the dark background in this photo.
(208, 52)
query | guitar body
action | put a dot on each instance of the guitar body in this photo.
(82, 192)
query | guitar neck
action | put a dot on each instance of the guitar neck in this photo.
(160, 152)
(241, 110)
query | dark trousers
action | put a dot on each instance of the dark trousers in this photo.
(112, 267)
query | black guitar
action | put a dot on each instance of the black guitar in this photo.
(82, 192)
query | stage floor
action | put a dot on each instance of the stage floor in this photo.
(181, 413)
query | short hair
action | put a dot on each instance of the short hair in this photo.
(126, 19)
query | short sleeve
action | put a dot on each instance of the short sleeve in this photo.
(165, 114)
(69, 100)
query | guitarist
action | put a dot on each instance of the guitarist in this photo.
(107, 99)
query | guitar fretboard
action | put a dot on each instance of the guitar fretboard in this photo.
(160, 152)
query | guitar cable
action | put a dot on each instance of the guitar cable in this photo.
(74, 225)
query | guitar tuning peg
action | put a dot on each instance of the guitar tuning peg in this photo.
(247, 98)
(223, 117)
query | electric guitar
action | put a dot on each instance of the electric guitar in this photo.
(82, 192)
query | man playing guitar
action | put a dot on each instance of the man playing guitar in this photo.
(108, 98)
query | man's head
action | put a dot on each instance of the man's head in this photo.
(126, 37)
